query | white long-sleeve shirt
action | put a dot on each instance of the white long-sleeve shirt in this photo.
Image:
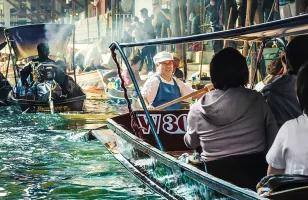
(150, 88)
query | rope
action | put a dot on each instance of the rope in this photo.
(134, 121)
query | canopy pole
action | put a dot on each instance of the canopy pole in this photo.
(115, 45)
(73, 56)
(7, 37)
(7, 67)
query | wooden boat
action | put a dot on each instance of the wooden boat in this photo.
(23, 44)
(5, 88)
(149, 143)
(113, 93)
(91, 83)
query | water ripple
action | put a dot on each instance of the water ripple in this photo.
(41, 159)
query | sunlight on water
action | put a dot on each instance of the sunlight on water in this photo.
(40, 158)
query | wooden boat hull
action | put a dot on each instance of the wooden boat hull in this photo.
(162, 171)
(4, 92)
(112, 93)
(70, 104)
(91, 82)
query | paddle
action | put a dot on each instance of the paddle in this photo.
(206, 89)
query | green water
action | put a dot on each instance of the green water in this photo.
(41, 159)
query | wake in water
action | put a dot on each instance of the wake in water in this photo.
(41, 158)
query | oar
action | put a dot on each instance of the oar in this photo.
(206, 89)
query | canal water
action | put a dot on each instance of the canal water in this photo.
(42, 157)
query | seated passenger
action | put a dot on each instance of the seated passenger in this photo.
(43, 56)
(280, 94)
(289, 152)
(163, 87)
(274, 71)
(134, 62)
(176, 64)
(230, 120)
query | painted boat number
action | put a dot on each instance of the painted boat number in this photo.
(164, 123)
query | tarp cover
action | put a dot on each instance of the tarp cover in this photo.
(26, 38)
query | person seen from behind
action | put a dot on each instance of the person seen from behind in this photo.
(288, 155)
(163, 87)
(231, 119)
(280, 94)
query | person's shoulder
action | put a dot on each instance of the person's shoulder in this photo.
(152, 79)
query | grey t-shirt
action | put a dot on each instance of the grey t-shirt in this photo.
(290, 150)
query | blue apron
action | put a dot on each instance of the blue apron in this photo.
(166, 93)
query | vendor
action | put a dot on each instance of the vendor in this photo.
(163, 87)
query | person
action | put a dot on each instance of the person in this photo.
(213, 11)
(161, 20)
(230, 120)
(195, 23)
(280, 94)
(274, 70)
(288, 155)
(43, 53)
(163, 87)
(287, 8)
(176, 71)
(33, 86)
(147, 30)
(134, 64)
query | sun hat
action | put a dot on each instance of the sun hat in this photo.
(162, 56)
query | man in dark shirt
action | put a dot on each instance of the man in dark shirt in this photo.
(43, 53)
(281, 94)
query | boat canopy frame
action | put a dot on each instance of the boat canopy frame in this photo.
(13, 55)
(261, 33)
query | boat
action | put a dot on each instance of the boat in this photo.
(5, 89)
(5, 86)
(23, 42)
(91, 83)
(150, 143)
(112, 87)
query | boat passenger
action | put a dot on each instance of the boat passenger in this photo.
(163, 87)
(43, 56)
(176, 64)
(288, 154)
(274, 70)
(231, 119)
(280, 94)
(134, 62)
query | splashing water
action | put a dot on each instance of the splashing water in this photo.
(41, 159)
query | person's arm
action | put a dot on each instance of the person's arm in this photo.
(149, 90)
(184, 89)
(276, 157)
(191, 138)
(272, 171)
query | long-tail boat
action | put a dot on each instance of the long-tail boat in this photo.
(23, 42)
(5, 86)
(149, 143)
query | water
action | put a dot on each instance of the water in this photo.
(41, 159)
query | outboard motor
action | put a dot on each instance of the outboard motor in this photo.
(46, 87)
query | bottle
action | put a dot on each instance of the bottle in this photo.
(193, 82)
